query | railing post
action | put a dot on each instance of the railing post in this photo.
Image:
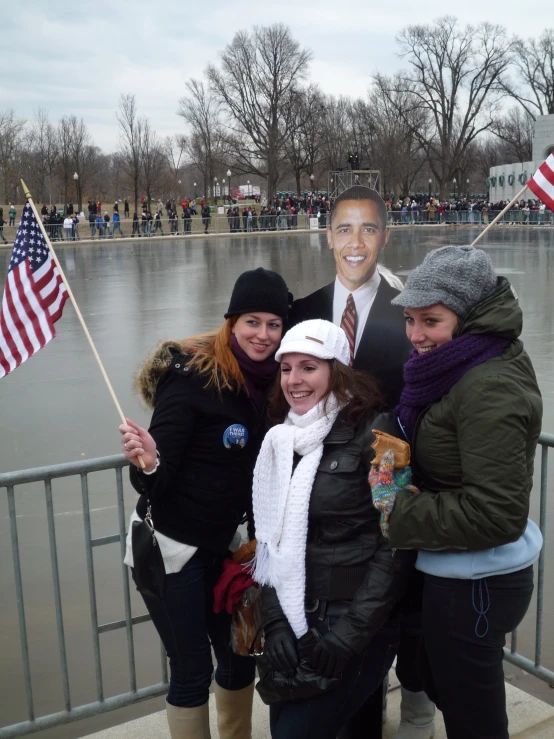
(125, 573)
(92, 589)
(542, 556)
(20, 605)
(57, 592)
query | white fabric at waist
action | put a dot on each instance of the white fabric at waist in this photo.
(175, 554)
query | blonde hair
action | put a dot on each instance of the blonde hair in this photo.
(211, 355)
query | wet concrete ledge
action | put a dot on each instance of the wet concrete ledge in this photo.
(529, 718)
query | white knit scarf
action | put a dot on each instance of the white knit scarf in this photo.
(281, 501)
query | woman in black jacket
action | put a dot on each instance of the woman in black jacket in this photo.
(329, 575)
(208, 395)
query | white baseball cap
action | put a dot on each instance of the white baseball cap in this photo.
(317, 338)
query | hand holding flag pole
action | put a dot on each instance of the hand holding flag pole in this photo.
(541, 184)
(77, 310)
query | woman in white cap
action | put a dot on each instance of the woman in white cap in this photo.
(472, 410)
(208, 395)
(330, 579)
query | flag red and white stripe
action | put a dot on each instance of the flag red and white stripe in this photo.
(34, 296)
(542, 182)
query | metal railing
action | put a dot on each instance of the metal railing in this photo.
(102, 703)
(173, 227)
(410, 217)
(222, 224)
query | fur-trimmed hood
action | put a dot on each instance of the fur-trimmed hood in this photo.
(154, 366)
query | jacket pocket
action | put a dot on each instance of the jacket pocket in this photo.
(339, 484)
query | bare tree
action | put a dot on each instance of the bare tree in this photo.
(131, 130)
(303, 147)
(534, 63)
(335, 132)
(12, 130)
(393, 146)
(516, 130)
(457, 80)
(43, 154)
(153, 160)
(206, 145)
(258, 84)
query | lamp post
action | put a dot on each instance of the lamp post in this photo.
(195, 190)
(430, 183)
(248, 185)
(467, 187)
(312, 178)
(215, 190)
(76, 180)
(229, 179)
(223, 190)
(454, 187)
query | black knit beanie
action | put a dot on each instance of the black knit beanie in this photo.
(260, 290)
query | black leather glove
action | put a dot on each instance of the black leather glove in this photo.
(280, 648)
(330, 655)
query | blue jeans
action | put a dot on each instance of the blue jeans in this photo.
(324, 715)
(117, 227)
(188, 626)
(464, 624)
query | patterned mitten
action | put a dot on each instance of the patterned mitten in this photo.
(385, 483)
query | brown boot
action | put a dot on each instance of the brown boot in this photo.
(234, 712)
(188, 723)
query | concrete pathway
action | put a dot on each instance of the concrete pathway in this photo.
(529, 718)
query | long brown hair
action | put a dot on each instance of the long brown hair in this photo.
(211, 356)
(357, 389)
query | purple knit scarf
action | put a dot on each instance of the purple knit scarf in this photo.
(257, 375)
(430, 376)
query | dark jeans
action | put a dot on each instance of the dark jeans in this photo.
(464, 627)
(187, 626)
(324, 715)
(409, 647)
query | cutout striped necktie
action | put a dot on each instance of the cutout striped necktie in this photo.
(349, 324)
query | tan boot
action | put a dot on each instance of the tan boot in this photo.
(234, 712)
(188, 723)
(417, 716)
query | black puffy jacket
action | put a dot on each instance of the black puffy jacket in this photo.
(202, 488)
(347, 558)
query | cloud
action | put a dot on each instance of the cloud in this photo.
(80, 62)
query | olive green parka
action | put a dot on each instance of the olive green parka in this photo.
(473, 450)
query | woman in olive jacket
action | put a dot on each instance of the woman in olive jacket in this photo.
(326, 568)
(472, 410)
(208, 395)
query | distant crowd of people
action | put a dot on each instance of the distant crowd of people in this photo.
(280, 214)
(412, 210)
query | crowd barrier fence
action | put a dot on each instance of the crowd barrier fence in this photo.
(11, 481)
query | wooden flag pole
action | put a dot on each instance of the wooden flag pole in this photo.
(77, 311)
(499, 216)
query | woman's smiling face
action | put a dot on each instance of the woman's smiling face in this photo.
(305, 380)
(258, 334)
(429, 328)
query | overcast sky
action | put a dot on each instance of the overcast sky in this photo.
(79, 61)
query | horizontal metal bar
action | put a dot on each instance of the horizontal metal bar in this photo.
(113, 625)
(105, 540)
(546, 439)
(81, 712)
(38, 474)
(528, 665)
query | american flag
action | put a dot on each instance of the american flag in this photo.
(34, 296)
(542, 182)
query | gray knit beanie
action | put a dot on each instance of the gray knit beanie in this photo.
(456, 276)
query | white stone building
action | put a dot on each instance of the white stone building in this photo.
(506, 180)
